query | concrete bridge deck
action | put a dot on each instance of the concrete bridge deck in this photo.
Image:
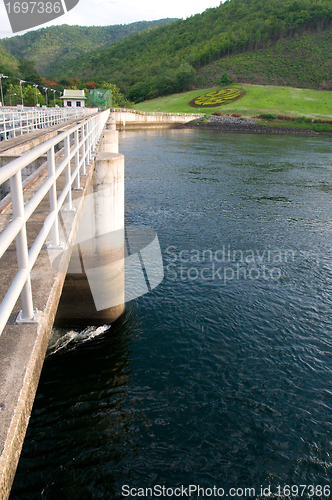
(23, 346)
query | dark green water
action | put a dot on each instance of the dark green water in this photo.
(221, 376)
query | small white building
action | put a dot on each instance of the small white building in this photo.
(73, 98)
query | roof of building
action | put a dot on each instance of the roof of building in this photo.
(73, 94)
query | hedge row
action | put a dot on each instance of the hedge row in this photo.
(300, 119)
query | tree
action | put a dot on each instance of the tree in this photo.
(13, 95)
(28, 72)
(139, 92)
(224, 79)
(30, 97)
(118, 98)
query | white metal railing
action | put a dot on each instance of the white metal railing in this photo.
(14, 122)
(86, 135)
(153, 113)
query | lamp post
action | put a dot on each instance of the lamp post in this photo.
(53, 95)
(21, 81)
(45, 88)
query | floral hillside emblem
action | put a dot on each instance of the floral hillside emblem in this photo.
(217, 98)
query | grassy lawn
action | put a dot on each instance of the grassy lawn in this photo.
(259, 99)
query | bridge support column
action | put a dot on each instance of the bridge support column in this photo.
(110, 142)
(93, 293)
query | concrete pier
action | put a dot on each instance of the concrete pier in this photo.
(110, 141)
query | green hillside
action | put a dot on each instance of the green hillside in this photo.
(47, 46)
(178, 57)
(258, 99)
(8, 63)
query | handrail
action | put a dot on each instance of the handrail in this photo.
(15, 122)
(153, 113)
(86, 136)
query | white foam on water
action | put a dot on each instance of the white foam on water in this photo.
(61, 339)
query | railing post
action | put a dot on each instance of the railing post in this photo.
(77, 160)
(88, 142)
(53, 198)
(68, 173)
(22, 247)
(83, 150)
(92, 144)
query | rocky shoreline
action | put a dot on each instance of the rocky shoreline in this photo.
(244, 125)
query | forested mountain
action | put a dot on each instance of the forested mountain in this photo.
(47, 46)
(169, 58)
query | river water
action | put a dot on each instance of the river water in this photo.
(222, 375)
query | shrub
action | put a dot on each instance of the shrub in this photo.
(224, 79)
(304, 119)
(236, 115)
(267, 116)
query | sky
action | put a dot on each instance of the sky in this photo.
(107, 12)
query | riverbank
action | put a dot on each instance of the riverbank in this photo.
(247, 125)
